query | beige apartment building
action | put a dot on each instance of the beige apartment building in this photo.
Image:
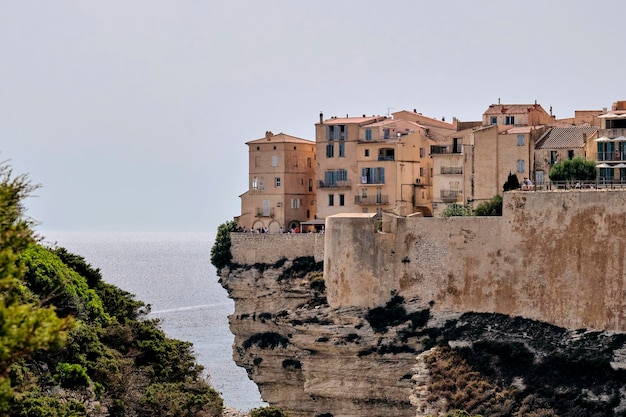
(611, 145)
(375, 164)
(475, 163)
(281, 178)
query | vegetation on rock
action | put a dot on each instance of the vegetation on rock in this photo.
(268, 412)
(73, 345)
(220, 252)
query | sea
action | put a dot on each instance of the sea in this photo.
(172, 272)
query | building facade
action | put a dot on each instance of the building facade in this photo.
(281, 183)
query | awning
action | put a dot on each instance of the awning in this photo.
(620, 139)
(603, 166)
(620, 165)
(602, 139)
(316, 222)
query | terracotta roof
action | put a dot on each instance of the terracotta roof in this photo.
(281, 138)
(421, 119)
(512, 109)
(520, 129)
(566, 137)
(348, 120)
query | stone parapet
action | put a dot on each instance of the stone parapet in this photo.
(269, 248)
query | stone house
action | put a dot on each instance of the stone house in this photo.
(281, 183)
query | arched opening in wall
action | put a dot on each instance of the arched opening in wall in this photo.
(294, 225)
(258, 226)
(274, 227)
(425, 211)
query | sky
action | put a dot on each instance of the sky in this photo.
(132, 115)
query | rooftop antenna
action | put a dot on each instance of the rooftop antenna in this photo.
(389, 111)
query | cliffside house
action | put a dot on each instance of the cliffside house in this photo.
(281, 183)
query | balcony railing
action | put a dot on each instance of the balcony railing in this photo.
(385, 158)
(264, 212)
(371, 200)
(450, 195)
(334, 184)
(611, 156)
(445, 150)
(452, 170)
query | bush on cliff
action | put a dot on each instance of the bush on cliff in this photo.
(268, 412)
(220, 252)
(71, 345)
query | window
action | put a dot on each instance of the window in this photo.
(386, 133)
(373, 175)
(342, 200)
(520, 140)
(310, 184)
(554, 156)
(294, 162)
(367, 152)
(342, 149)
(332, 177)
(308, 162)
(509, 120)
(274, 160)
(364, 192)
(368, 134)
(255, 183)
(494, 120)
(295, 203)
(277, 182)
(520, 165)
(331, 199)
(570, 154)
(330, 150)
(336, 132)
(422, 171)
(257, 161)
(422, 152)
(266, 208)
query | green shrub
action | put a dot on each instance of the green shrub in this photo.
(512, 183)
(574, 169)
(71, 375)
(492, 207)
(268, 412)
(220, 252)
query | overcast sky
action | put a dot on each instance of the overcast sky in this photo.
(133, 115)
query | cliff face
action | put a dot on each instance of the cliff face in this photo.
(403, 359)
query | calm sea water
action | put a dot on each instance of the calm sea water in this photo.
(172, 272)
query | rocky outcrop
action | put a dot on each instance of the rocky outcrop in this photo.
(401, 359)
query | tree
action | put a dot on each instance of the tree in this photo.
(577, 169)
(220, 252)
(492, 207)
(512, 183)
(25, 326)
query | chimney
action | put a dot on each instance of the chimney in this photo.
(498, 100)
(268, 135)
(321, 118)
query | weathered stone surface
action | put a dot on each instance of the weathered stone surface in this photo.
(314, 360)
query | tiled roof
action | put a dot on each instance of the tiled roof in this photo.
(566, 137)
(348, 120)
(281, 138)
(512, 109)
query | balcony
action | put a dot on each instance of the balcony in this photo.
(371, 200)
(386, 158)
(445, 150)
(450, 196)
(451, 170)
(264, 212)
(334, 184)
(611, 156)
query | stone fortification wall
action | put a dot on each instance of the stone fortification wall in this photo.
(553, 256)
(251, 248)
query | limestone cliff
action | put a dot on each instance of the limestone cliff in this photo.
(403, 359)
